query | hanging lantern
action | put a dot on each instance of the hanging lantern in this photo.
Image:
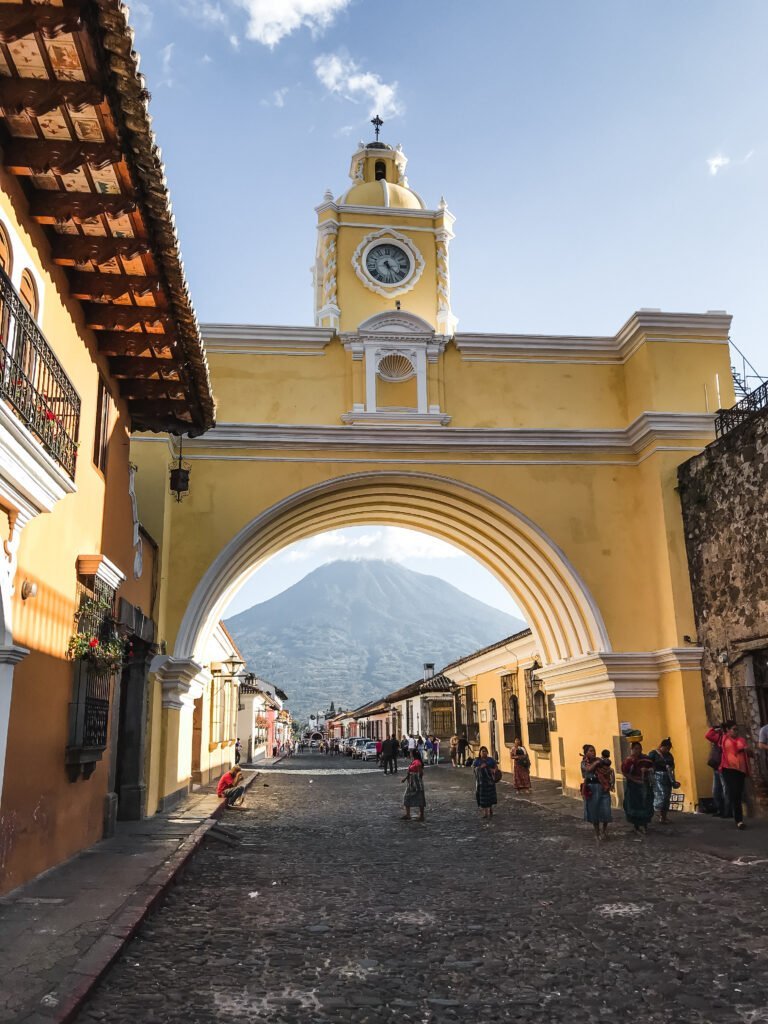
(179, 475)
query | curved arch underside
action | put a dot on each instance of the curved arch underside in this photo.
(554, 600)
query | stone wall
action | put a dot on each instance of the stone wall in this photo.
(724, 496)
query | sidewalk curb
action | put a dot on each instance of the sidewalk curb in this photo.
(122, 927)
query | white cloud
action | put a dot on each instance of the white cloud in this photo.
(387, 542)
(341, 75)
(278, 98)
(234, 42)
(205, 11)
(141, 16)
(717, 163)
(166, 55)
(269, 21)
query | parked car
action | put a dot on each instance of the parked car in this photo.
(368, 751)
(358, 744)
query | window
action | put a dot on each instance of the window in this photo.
(101, 437)
(381, 170)
(6, 258)
(28, 293)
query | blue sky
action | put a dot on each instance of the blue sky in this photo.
(599, 155)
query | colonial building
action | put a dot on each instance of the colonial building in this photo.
(98, 338)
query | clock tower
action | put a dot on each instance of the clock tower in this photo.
(380, 248)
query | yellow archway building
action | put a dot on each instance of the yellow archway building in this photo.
(550, 459)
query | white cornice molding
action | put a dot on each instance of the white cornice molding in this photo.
(265, 339)
(645, 326)
(397, 418)
(615, 675)
(102, 568)
(375, 432)
(31, 482)
(182, 680)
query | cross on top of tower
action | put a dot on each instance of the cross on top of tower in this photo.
(377, 123)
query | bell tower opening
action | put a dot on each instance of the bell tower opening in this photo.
(381, 170)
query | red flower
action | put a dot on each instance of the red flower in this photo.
(49, 415)
(93, 642)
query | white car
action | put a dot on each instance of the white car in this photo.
(368, 751)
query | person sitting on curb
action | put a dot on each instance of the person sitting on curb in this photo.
(231, 785)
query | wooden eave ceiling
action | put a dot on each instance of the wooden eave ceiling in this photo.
(75, 129)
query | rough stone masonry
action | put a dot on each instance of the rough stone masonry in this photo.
(724, 496)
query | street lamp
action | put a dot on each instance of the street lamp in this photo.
(233, 665)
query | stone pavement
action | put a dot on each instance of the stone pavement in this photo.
(58, 932)
(331, 909)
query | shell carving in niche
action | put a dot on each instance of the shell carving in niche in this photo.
(395, 367)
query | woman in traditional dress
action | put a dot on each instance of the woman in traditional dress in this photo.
(637, 770)
(663, 778)
(522, 767)
(596, 790)
(486, 773)
(414, 788)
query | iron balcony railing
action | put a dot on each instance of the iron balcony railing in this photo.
(728, 419)
(33, 382)
(538, 732)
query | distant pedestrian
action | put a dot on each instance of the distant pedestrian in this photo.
(387, 748)
(734, 765)
(637, 770)
(597, 776)
(411, 745)
(664, 780)
(404, 746)
(454, 750)
(379, 745)
(521, 775)
(429, 749)
(231, 785)
(414, 788)
(487, 774)
(461, 750)
(436, 749)
(238, 750)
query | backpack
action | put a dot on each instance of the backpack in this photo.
(715, 756)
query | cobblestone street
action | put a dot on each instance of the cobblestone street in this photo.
(330, 908)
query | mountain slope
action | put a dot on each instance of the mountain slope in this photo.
(352, 631)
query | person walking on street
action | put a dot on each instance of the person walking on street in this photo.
(385, 757)
(522, 767)
(454, 750)
(436, 749)
(404, 746)
(238, 750)
(664, 780)
(411, 745)
(429, 749)
(487, 774)
(598, 777)
(734, 765)
(637, 770)
(414, 788)
(461, 750)
(379, 749)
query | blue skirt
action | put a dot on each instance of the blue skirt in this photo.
(597, 809)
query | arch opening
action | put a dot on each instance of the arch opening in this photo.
(546, 587)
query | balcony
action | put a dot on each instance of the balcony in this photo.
(728, 419)
(33, 382)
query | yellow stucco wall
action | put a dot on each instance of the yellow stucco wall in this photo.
(63, 817)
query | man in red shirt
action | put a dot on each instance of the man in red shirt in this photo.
(231, 786)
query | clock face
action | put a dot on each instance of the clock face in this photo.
(388, 263)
